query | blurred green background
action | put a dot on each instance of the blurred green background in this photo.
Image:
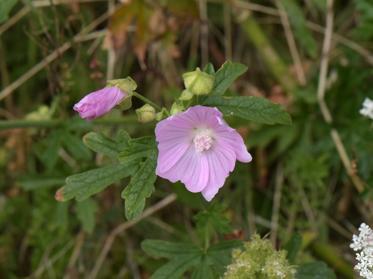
(312, 178)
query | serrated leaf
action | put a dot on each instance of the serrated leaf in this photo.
(255, 109)
(314, 270)
(175, 268)
(137, 148)
(220, 254)
(5, 8)
(212, 220)
(140, 187)
(101, 144)
(85, 211)
(83, 185)
(182, 256)
(226, 75)
(170, 250)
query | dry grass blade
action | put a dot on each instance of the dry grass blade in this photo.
(321, 89)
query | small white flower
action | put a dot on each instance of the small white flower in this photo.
(362, 244)
(367, 109)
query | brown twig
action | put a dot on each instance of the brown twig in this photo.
(313, 26)
(14, 19)
(121, 228)
(321, 89)
(301, 76)
(75, 254)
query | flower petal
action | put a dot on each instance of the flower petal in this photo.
(231, 137)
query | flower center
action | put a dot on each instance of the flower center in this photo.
(203, 140)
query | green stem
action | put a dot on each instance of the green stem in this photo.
(146, 100)
(52, 123)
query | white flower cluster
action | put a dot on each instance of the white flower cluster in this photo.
(363, 245)
(367, 109)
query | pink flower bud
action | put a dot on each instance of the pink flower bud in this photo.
(99, 102)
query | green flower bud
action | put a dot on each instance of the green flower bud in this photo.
(127, 85)
(160, 115)
(146, 113)
(176, 108)
(42, 113)
(186, 95)
(198, 82)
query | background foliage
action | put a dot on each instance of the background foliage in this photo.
(296, 192)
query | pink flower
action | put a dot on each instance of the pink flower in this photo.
(99, 102)
(198, 148)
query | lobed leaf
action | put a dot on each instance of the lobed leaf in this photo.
(220, 254)
(101, 144)
(83, 185)
(203, 270)
(176, 267)
(226, 75)
(255, 109)
(140, 187)
(170, 250)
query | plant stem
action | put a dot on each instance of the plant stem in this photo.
(52, 123)
(146, 100)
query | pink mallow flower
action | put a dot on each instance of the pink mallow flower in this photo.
(99, 102)
(198, 148)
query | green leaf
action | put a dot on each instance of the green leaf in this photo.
(220, 254)
(203, 270)
(209, 69)
(76, 147)
(85, 211)
(293, 247)
(101, 144)
(226, 75)
(182, 257)
(170, 250)
(175, 268)
(301, 31)
(5, 8)
(315, 270)
(140, 187)
(212, 220)
(83, 185)
(255, 109)
(137, 149)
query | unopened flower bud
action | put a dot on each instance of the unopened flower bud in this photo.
(186, 95)
(125, 84)
(198, 82)
(146, 113)
(176, 108)
(99, 102)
